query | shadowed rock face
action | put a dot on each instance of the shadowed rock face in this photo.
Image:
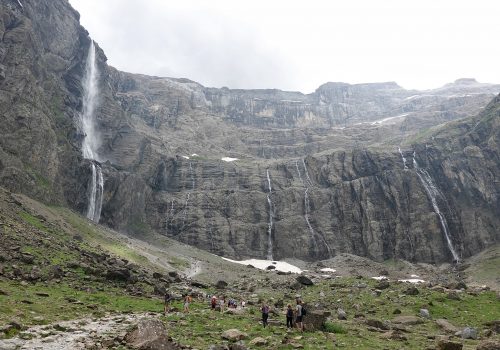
(338, 181)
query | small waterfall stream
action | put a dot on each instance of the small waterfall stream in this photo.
(270, 223)
(91, 140)
(432, 192)
(405, 167)
(307, 209)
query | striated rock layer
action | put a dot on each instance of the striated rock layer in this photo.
(338, 181)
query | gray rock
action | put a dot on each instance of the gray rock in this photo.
(341, 314)
(425, 313)
(306, 281)
(469, 333)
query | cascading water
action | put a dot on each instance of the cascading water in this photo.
(432, 192)
(91, 140)
(307, 209)
(95, 193)
(405, 167)
(306, 172)
(270, 223)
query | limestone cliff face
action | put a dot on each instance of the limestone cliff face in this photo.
(321, 172)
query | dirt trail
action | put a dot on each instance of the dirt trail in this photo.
(75, 334)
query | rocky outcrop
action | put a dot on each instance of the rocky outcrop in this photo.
(316, 174)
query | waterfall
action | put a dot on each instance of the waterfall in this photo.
(306, 172)
(270, 223)
(307, 209)
(91, 142)
(432, 192)
(95, 193)
(405, 167)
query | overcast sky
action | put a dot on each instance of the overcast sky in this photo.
(299, 45)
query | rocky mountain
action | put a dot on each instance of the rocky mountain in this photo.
(369, 169)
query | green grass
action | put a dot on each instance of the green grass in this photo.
(334, 328)
(95, 298)
(33, 221)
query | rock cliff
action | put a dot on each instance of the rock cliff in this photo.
(316, 174)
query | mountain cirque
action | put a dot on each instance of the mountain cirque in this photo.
(320, 172)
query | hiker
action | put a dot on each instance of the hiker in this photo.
(167, 299)
(265, 314)
(298, 315)
(289, 317)
(213, 302)
(187, 301)
(222, 303)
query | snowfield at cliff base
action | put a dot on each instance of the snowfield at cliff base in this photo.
(263, 264)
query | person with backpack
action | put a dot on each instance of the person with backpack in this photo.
(289, 317)
(265, 314)
(213, 302)
(299, 315)
(166, 303)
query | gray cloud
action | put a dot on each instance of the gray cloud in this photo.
(290, 45)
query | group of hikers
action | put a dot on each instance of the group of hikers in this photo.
(293, 314)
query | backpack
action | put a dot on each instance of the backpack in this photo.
(304, 311)
(289, 313)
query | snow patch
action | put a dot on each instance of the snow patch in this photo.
(379, 278)
(19, 2)
(327, 269)
(263, 264)
(412, 280)
(229, 159)
(194, 155)
(185, 157)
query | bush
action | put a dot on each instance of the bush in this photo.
(334, 328)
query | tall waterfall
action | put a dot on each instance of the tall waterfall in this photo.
(405, 167)
(270, 223)
(432, 192)
(91, 140)
(95, 193)
(307, 209)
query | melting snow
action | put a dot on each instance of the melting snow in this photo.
(327, 269)
(379, 278)
(229, 159)
(263, 264)
(412, 280)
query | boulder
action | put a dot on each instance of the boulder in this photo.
(376, 324)
(119, 274)
(448, 345)
(446, 326)
(149, 334)
(412, 291)
(315, 319)
(306, 281)
(469, 333)
(382, 284)
(221, 284)
(341, 314)
(259, 341)
(407, 320)
(425, 313)
(234, 334)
